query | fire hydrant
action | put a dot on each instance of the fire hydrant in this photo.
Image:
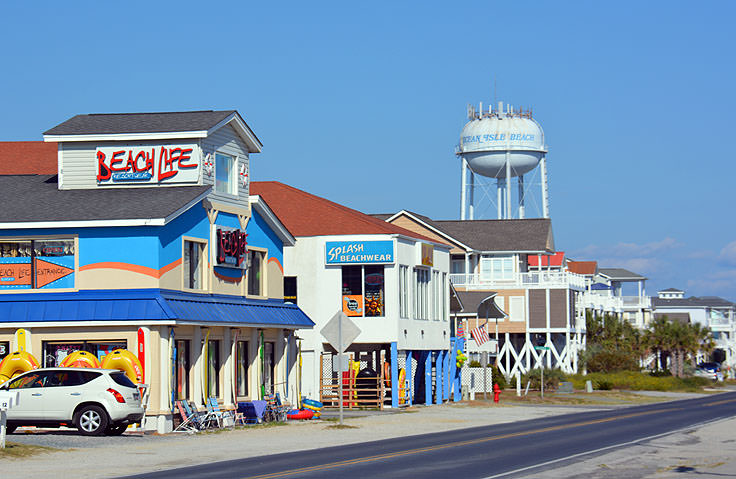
(496, 392)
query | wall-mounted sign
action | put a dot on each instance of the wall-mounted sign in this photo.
(359, 252)
(231, 247)
(427, 254)
(150, 164)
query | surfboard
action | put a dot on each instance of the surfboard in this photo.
(142, 353)
(172, 357)
(21, 340)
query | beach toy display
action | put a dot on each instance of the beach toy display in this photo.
(125, 361)
(460, 359)
(17, 363)
(314, 406)
(300, 414)
(80, 359)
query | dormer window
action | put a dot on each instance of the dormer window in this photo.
(226, 174)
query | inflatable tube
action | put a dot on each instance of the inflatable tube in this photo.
(300, 414)
(311, 408)
(387, 374)
(313, 403)
(402, 386)
(17, 363)
(80, 359)
(125, 361)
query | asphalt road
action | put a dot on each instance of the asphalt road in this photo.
(506, 450)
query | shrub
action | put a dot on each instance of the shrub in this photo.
(637, 381)
(552, 378)
(474, 364)
(499, 378)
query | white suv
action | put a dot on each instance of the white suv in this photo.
(96, 401)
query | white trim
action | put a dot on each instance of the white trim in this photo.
(164, 135)
(431, 228)
(242, 129)
(272, 220)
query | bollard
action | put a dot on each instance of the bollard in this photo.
(588, 386)
(518, 383)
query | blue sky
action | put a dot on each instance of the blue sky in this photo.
(364, 103)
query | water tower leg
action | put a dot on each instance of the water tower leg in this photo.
(499, 198)
(508, 187)
(521, 197)
(463, 187)
(471, 200)
(545, 192)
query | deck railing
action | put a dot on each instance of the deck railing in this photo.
(533, 279)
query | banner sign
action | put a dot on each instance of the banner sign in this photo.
(231, 247)
(359, 252)
(152, 164)
(427, 254)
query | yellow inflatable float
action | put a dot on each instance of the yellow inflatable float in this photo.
(17, 363)
(125, 361)
(80, 359)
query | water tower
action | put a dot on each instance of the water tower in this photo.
(501, 144)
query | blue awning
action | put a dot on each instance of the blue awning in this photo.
(149, 305)
(599, 287)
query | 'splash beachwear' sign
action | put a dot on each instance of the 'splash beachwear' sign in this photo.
(151, 164)
(359, 252)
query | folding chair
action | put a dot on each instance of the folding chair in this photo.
(188, 421)
(200, 419)
(213, 408)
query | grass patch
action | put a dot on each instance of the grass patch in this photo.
(15, 450)
(341, 426)
(636, 381)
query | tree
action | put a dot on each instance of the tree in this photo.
(677, 340)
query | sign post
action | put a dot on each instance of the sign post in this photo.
(543, 349)
(340, 332)
(7, 400)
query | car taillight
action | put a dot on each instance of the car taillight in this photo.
(118, 397)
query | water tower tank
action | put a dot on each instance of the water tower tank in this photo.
(493, 137)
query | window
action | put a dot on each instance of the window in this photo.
(37, 264)
(54, 352)
(241, 365)
(182, 369)
(194, 266)
(290, 289)
(436, 295)
(457, 265)
(226, 175)
(421, 293)
(363, 291)
(213, 368)
(444, 293)
(403, 291)
(255, 272)
(496, 268)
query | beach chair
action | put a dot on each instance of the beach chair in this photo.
(188, 421)
(275, 411)
(199, 419)
(222, 417)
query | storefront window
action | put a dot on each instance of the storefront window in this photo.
(182, 369)
(404, 291)
(255, 272)
(242, 368)
(193, 265)
(54, 352)
(268, 367)
(225, 174)
(4, 349)
(35, 264)
(213, 368)
(363, 291)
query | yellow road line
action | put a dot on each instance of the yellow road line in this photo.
(719, 402)
(409, 452)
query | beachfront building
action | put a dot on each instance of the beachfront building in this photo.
(143, 238)
(713, 312)
(392, 282)
(515, 261)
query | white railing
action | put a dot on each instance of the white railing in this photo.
(535, 279)
(599, 302)
(637, 302)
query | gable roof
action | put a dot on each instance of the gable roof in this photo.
(583, 267)
(305, 214)
(28, 158)
(36, 199)
(198, 124)
(671, 290)
(620, 274)
(692, 302)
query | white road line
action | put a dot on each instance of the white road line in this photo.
(643, 439)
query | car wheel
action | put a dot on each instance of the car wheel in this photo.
(91, 420)
(116, 429)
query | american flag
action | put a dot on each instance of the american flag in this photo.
(480, 335)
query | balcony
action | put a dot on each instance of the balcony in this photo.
(535, 279)
(599, 302)
(637, 302)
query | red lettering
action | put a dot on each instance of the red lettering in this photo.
(140, 156)
(103, 172)
(165, 161)
(182, 156)
(115, 159)
(150, 160)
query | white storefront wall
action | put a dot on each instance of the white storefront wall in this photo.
(319, 295)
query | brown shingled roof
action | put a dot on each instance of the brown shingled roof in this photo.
(28, 158)
(583, 267)
(304, 214)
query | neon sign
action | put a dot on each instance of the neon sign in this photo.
(147, 164)
(232, 246)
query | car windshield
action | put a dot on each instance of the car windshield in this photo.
(122, 379)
